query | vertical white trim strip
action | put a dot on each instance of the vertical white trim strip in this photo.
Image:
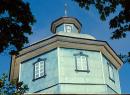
(19, 71)
(58, 64)
(102, 68)
(64, 29)
(119, 85)
(38, 69)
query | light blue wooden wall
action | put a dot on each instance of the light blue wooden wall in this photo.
(114, 85)
(67, 67)
(61, 74)
(69, 75)
(94, 80)
(26, 74)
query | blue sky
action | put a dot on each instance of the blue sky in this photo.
(47, 11)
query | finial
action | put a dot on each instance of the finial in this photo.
(65, 9)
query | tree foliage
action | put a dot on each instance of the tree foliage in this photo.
(125, 58)
(16, 20)
(120, 22)
(11, 88)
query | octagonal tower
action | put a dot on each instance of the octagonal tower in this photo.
(66, 24)
(68, 63)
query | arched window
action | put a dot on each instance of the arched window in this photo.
(81, 62)
(39, 68)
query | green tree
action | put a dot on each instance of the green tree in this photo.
(13, 88)
(120, 22)
(16, 20)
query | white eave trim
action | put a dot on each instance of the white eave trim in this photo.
(67, 41)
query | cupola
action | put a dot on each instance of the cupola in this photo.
(66, 24)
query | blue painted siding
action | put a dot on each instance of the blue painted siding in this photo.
(67, 67)
(51, 71)
(60, 28)
(62, 77)
(114, 85)
(81, 82)
(83, 89)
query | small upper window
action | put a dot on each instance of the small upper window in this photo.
(68, 28)
(81, 62)
(111, 72)
(39, 68)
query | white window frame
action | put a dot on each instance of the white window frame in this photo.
(65, 27)
(84, 67)
(111, 72)
(39, 69)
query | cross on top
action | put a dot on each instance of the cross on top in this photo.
(65, 9)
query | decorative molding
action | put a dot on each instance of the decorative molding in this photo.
(70, 40)
(81, 54)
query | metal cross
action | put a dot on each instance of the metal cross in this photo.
(65, 9)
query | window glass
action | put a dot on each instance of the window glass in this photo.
(39, 69)
(111, 72)
(37, 75)
(68, 28)
(81, 62)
